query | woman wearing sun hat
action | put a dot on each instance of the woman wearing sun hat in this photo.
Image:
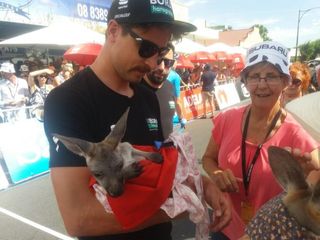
(236, 156)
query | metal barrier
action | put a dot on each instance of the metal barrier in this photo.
(17, 114)
(217, 82)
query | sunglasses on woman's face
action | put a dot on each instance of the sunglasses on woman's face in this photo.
(168, 63)
(147, 48)
(42, 76)
(296, 82)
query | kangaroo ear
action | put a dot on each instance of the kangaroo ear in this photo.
(117, 133)
(286, 169)
(76, 145)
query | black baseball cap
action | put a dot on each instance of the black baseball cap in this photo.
(147, 11)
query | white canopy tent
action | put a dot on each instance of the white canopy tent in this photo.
(222, 47)
(188, 46)
(219, 47)
(203, 33)
(57, 35)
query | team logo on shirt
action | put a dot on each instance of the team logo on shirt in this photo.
(55, 140)
(152, 124)
(172, 104)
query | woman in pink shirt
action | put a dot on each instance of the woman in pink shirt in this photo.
(236, 157)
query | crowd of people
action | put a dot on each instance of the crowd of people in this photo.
(239, 179)
(21, 89)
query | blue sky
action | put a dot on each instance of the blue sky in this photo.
(280, 17)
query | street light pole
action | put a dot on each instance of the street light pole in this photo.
(300, 15)
(297, 39)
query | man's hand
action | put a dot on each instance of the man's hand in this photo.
(220, 203)
(183, 123)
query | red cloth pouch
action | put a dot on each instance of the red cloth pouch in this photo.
(144, 194)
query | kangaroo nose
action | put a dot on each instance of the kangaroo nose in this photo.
(116, 192)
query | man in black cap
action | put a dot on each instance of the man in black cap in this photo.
(87, 105)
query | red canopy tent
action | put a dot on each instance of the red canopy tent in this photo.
(202, 57)
(222, 56)
(184, 62)
(83, 54)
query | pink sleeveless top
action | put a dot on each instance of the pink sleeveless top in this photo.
(263, 186)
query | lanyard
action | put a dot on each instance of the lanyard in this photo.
(15, 86)
(247, 174)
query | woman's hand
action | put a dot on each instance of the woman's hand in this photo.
(225, 180)
(49, 71)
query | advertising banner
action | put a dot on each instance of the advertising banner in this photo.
(43, 12)
(191, 102)
(226, 95)
(3, 180)
(242, 90)
(25, 149)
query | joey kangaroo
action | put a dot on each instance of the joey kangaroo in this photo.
(294, 214)
(111, 161)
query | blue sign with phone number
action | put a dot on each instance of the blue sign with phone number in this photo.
(91, 12)
(35, 10)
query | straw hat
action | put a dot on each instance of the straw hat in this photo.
(306, 110)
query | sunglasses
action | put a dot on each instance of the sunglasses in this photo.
(147, 48)
(168, 63)
(296, 82)
(41, 76)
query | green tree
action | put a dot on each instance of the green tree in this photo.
(309, 50)
(263, 32)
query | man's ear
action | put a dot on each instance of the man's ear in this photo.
(113, 30)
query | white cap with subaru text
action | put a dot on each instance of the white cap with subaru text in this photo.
(269, 51)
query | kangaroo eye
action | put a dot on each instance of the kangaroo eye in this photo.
(119, 166)
(98, 174)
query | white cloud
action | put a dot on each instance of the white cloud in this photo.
(245, 23)
(190, 3)
(287, 36)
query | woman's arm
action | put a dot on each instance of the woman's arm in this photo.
(41, 71)
(224, 179)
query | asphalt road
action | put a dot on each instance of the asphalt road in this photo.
(28, 211)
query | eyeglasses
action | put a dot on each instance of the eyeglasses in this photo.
(168, 63)
(41, 76)
(296, 82)
(147, 48)
(270, 79)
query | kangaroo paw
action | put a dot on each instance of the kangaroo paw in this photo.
(156, 157)
(134, 170)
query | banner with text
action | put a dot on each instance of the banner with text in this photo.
(25, 149)
(42, 12)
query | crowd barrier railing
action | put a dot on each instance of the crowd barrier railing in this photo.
(17, 114)
(226, 94)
